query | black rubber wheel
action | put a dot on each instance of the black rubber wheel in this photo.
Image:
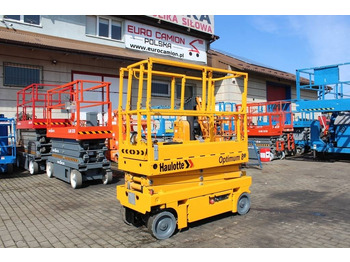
(9, 168)
(107, 177)
(243, 204)
(76, 179)
(300, 150)
(49, 169)
(162, 225)
(282, 155)
(33, 167)
(124, 211)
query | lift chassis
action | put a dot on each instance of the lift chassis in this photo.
(270, 125)
(172, 183)
(328, 132)
(78, 152)
(34, 147)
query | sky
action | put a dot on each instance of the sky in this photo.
(285, 42)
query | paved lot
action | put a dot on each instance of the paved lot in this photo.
(295, 203)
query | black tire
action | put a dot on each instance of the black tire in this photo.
(18, 162)
(9, 168)
(243, 204)
(33, 167)
(124, 211)
(76, 179)
(300, 150)
(282, 155)
(162, 225)
(49, 169)
(107, 177)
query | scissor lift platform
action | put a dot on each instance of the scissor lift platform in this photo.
(169, 184)
(79, 147)
(34, 146)
(270, 125)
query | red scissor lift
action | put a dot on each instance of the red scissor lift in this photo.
(79, 147)
(34, 146)
(270, 125)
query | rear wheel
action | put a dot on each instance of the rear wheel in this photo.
(131, 217)
(107, 177)
(162, 225)
(9, 168)
(49, 169)
(300, 150)
(76, 179)
(125, 213)
(243, 204)
(282, 155)
(18, 162)
(33, 167)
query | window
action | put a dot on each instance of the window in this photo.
(188, 91)
(104, 27)
(21, 75)
(28, 19)
(160, 89)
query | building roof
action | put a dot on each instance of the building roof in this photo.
(221, 60)
(215, 58)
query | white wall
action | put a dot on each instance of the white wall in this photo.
(230, 91)
(59, 73)
(66, 26)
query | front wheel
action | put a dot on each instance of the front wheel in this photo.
(33, 167)
(162, 225)
(300, 150)
(107, 177)
(18, 162)
(243, 204)
(281, 155)
(76, 179)
(49, 169)
(9, 168)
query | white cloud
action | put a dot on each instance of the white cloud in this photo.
(325, 39)
(328, 39)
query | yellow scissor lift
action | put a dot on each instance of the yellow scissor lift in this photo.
(170, 184)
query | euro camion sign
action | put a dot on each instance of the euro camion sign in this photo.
(164, 42)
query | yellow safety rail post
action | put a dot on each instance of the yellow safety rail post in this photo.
(169, 184)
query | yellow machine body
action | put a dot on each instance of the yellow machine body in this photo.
(191, 179)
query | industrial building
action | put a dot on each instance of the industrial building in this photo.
(56, 49)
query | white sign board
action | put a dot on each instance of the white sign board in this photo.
(164, 42)
(203, 23)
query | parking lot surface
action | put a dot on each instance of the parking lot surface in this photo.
(297, 202)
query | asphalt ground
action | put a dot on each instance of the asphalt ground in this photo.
(296, 203)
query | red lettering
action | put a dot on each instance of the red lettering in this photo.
(197, 25)
(170, 38)
(131, 29)
(139, 31)
(184, 21)
(171, 18)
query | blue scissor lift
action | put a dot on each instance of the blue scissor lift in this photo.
(333, 104)
(7, 144)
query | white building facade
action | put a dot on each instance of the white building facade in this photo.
(57, 49)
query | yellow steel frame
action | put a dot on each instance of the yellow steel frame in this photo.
(181, 176)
